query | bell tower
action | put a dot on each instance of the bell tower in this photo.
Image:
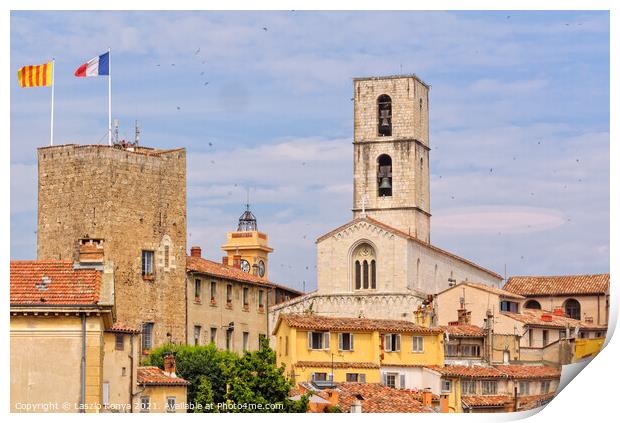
(390, 152)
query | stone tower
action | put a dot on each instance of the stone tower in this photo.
(131, 200)
(247, 248)
(390, 147)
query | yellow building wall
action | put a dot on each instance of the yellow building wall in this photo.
(587, 347)
(433, 353)
(304, 374)
(158, 398)
(46, 362)
(251, 246)
(114, 361)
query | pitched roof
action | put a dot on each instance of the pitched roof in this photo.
(53, 283)
(463, 331)
(474, 401)
(376, 398)
(153, 375)
(490, 289)
(514, 371)
(122, 328)
(313, 321)
(499, 371)
(558, 285)
(337, 364)
(533, 317)
(467, 371)
(407, 236)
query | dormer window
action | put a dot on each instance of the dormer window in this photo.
(384, 111)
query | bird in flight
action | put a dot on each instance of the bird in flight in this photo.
(197, 51)
(265, 29)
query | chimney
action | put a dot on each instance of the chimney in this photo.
(464, 316)
(170, 364)
(557, 311)
(427, 397)
(443, 403)
(237, 261)
(546, 317)
(225, 260)
(90, 251)
(356, 407)
(333, 397)
(196, 251)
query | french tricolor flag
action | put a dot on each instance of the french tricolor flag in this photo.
(97, 66)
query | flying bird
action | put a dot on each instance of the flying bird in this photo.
(265, 29)
(197, 51)
(207, 83)
(178, 107)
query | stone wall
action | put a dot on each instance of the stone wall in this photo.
(134, 200)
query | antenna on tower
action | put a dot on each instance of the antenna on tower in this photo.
(137, 138)
(116, 131)
(247, 202)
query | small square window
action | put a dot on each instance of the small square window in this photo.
(446, 385)
(145, 404)
(171, 403)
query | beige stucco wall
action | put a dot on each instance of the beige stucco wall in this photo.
(46, 358)
(594, 306)
(218, 315)
(158, 398)
(120, 383)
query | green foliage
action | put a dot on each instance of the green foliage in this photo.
(219, 377)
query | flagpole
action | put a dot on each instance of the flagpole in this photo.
(109, 97)
(52, 118)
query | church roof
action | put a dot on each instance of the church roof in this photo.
(407, 236)
(558, 285)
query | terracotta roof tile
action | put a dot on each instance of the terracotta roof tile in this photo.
(498, 371)
(152, 375)
(313, 321)
(462, 331)
(534, 317)
(473, 401)
(492, 290)
(337, 364)
(514, 371)
(406, 235)
(51, 283)
(376, 398)
(558, 285)
(122, 328)
(534, 401)
(467, 371)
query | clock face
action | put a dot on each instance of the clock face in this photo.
(261, 268)
(245, 266)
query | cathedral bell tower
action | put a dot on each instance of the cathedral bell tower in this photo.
(247, 247)
(390, 147)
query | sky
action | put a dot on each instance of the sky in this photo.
(519, 122)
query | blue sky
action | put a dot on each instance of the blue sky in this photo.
(519, 110)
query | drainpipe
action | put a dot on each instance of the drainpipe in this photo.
(131, 364)
(83, 366)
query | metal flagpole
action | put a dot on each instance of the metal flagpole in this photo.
(109, 97)
(52, 119)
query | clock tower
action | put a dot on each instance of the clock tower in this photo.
(248, 248)
(390, 153)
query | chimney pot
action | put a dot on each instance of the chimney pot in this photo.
(427, 398)
(237, 261)
(558, 311)
(170, 364)
(225, 260)
(196, 251)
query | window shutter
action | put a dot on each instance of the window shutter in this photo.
(351, 341)
(363, 377)
(330, 377)
(326, 340)
(310, 342)
(397, 346)
(313, 376)
(421, 344)
(388, 342)
(340, 341)
(402, 381)
(384, 377)
(106, 393)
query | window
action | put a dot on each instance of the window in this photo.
(261, 303)
(392, 342)
(286, 345)
(321, 377)
(246, 340)
(572, 308)
(364, 267)
(120, 342)
(318, 340)
(106, 393)
(261, 338)
(213, 336)
(123, 371)
(213, 291)
(345, 341)
(533, 304)
(147, 263)
(446, 385)
(147, 336)
(352, 377)
(384, 176)
(544, 386)
(452, 350)
(358, 275)
(229, 340)
(390, 380)
(530, 334)
(418, 344)
(545, 337)
(166, 256)
(468, 387)
(197, 289)
(509, 306)
(197, 330)
(145, 404)
(373, 275)
(246, 297)
(229, 294)
(489, 387)
(470, 350)
(171, 403)
(384, 115)
(524, 388)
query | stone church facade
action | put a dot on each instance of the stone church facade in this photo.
(382, 264)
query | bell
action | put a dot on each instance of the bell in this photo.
(385, 118)
(385, 183)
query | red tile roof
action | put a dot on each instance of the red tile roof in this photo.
(534, 401)
(152, 375)
(376, 398)
(313, 321)
(558, 285)
(122, 328)
(463, 331)
(475, 401)
(514, 371)
(406, 235)
(467, 371)
(486, 288)
(498, 371)
(534, 318)
(337, 364)
(53, 283)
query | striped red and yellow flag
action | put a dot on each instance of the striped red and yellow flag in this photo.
(35, 75)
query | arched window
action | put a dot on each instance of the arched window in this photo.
(384, 115)
(533, 304)
(384, 175)
(365, 267)
(573, 309)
